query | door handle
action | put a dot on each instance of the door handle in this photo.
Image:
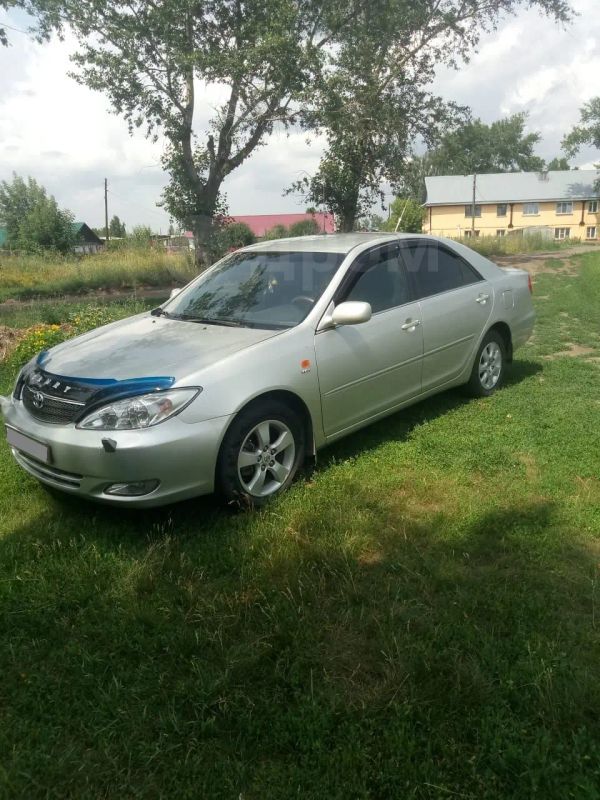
(411, 324)
(482, 298)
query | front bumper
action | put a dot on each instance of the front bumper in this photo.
(182, 456)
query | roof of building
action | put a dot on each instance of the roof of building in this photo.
(512, 187)
(84, 233)
(260, 224)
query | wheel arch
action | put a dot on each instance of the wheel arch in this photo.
(504, 330)
(287, 398)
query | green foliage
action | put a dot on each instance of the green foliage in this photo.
(236, 234)
(140, 236)
(409, 212)
(277, 232)
(117, 228)
(503, 146)
(33, 220)
(560, 163)
(588, 130)
(305, 227)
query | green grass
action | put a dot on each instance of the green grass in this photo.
(23, 277)
(418, 619)
(515, 244)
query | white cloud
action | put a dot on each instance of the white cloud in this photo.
(65, 136)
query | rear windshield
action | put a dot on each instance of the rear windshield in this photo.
(259, 290)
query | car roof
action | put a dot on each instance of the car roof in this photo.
(329, 243)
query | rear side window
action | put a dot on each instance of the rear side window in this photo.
(435, 269)
(380, 279)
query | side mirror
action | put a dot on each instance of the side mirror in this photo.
(174, 293)
(352, 312)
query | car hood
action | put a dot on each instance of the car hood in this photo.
(144, 346)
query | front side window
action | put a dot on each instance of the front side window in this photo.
(380, 280)
(501, 209)
(531, 209)
(562, 233)
(257, 290)
(564, 207)
(469, 210)
(592, 232)
(592, 206)
(435, 269)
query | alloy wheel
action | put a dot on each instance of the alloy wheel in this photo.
(490, 365)
(266, 458)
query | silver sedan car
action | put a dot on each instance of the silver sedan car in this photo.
(274, 352)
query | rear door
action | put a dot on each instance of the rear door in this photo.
(455, 305)
(369, 368)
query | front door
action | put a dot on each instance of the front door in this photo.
(367, 369)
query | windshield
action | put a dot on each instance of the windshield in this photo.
(259, 290)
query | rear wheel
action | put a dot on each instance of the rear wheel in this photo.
(490, 363)
(260, 454)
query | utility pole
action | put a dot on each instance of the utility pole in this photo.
(473, 206)
(106, 209)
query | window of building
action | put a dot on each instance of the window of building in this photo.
(469, 234)
(591, 232)
(564, 207)
(380, 280)
(562, 233)
(500, 232)
(469, 210)
(501, 209)
(437, 269)
(592, 206)
(531, 209)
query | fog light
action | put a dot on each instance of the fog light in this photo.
(134, 489)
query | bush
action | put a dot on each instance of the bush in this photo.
(235, 235)
(305, 227)
(277, 232)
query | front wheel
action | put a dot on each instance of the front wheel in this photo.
(260, 454)
(488, 370)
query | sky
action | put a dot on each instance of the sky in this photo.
(65, 136)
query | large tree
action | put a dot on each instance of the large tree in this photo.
(154, 60)
(503, 146)
(587, 132)
(374, 98)
(32, 218)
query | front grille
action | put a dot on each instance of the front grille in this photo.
(47, 472)
(49, 409)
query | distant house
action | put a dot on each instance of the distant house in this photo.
(261, 224)
(86, 240)
(561, 204)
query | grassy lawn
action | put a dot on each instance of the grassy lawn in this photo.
(419, 619)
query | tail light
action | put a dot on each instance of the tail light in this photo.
(529, 284)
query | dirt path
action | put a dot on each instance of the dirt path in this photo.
(536, 263)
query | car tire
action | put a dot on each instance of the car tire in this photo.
(260, 454)
(489, 366)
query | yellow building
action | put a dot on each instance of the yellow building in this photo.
(559, 205)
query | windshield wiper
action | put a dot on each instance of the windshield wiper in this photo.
(229, 323)
(159, 312)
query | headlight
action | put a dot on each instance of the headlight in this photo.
(138, 412)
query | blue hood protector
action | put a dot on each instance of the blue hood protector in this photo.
(92, 392)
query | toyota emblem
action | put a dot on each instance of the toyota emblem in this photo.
(38, 399)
